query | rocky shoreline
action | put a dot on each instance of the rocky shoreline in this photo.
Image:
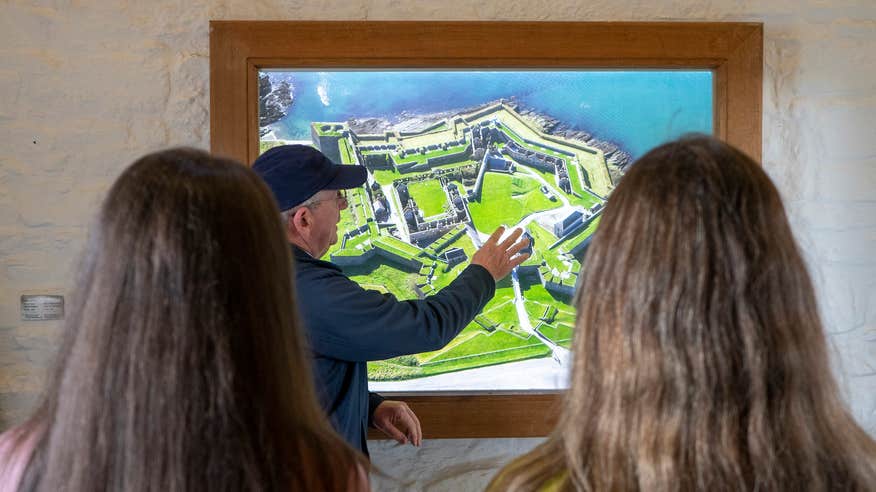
(615, 156)
(275, 99)
(403, 122)
(277, 96)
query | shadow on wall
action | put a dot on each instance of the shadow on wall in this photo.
(27, 353)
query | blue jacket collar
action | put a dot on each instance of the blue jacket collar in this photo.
(302, 256)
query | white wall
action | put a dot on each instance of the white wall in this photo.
(85, 87)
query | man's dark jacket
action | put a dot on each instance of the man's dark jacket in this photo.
(347, 326)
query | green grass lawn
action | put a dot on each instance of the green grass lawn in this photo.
(467, 333)
(398, 246)
(575, 178)
(505, 314)
(387, 176)
(348, 252)
(534, 309)
(372, 139)
(501, 309)
(498, 206)
(485, 343)
(442, 278)
(535, 201)
(429, 195)
(581, 235)
(550, 178)
(346, 152)
(417, 157)
(355, 241)
(377, 287)
(327, 129)
(565, 316)
(355, 215)
(267, 144)
(389, 371)
(538, 148)
(553, 257)
(394, 279)
(600, 181)
(557, 334)
(358, 206)
(535, 293)
(361, 239)
(512, 134)
(586, 199)
(542, 239)
(444, 241)
(472, 348)
(521, 185)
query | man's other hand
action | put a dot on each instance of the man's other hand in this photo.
(499, 258)
(398, 421)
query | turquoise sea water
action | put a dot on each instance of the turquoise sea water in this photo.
(634, 109)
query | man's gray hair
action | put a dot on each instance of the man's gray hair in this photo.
(285, 215)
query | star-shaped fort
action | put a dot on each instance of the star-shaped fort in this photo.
(431, 198)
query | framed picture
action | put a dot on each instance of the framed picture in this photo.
(467, 126)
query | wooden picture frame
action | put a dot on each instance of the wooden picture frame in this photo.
(238, 49)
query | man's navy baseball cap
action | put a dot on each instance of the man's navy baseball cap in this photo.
(297, 172)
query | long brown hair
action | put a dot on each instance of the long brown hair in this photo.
(183, 366)
(700, 361)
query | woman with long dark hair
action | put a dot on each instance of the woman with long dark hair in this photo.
(700, 361)
(183, 365)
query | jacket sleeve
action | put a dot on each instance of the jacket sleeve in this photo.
(374, 401)
(350, 323)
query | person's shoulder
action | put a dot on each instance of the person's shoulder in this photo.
(317, 281)
(304, 263)
(16, 447)
(315, 271)
(359, 480)
(554, 484)
(9, 445)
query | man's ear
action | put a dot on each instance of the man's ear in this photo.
(301, 219)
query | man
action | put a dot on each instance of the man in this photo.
(348, 325)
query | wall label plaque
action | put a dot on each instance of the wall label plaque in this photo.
(42, 307)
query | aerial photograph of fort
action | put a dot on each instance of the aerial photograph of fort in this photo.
(436, 189)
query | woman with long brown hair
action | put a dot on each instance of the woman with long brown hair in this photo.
(700, 362)
(183, 366)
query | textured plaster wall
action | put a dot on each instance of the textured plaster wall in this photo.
(85, 87)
